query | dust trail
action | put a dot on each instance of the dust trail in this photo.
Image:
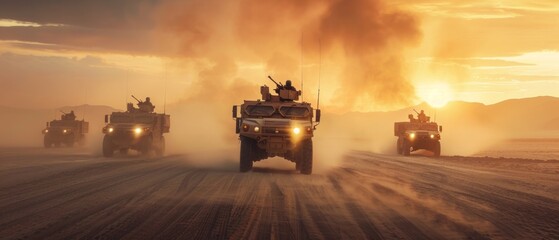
(234, 45)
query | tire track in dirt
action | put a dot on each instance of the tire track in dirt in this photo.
(370, 196)
(42, 207)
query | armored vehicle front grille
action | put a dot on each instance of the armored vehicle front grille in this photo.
(275, 130)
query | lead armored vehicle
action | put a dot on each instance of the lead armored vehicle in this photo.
(67, 131)
(276, 125)
(417, 134)
(139, 129)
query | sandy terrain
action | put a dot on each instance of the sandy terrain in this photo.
(68, 194)
(533, 148)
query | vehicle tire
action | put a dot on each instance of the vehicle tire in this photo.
(399, 146)
(69, 142)
(123, 151)
(81, 141)
(437, 149)
(46, 142)
(108, 148)
(147, 146)
(248, 152)
(406, 147)
(160, 150)
(306, 157)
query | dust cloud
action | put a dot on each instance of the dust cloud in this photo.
(363, 44)
(233, 46)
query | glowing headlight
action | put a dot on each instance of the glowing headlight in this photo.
(432, 135)
(296, 130)
(256, 129)
(46, 130)
(64, 131)
(111, 130)
(138, 130)
(412, 135)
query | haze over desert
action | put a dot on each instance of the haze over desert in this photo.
(313, 119)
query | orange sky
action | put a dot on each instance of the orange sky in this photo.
(376, 55)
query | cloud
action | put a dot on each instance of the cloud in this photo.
(364, 40)
(103, 26)
(46, 82)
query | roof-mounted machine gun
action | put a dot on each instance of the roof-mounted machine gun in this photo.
(139, 101)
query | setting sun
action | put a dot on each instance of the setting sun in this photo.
(436, 95)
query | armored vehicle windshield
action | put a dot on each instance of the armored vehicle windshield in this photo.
(422, 126)
(260, 110)
(294, 111)
(131, 119)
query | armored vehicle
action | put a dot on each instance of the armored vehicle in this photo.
(276, 125)
(418, 134)
(67, 131)
(139, 129)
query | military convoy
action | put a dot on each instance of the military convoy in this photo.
(417, 134)
(139, 129)
(67, 131)
(276, 125)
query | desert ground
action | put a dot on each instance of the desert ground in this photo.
(72, 194)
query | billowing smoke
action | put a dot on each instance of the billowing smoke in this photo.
(362, 43)
(234, 45)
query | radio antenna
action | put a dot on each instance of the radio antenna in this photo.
(85, 104)
(319, 71)
(302, 81)
(165, 96)
(127, 77)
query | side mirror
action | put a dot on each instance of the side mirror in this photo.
(238, 125)
(47, 124)
(235, 111)
(440, 128)
(317, 117)
(106, 118)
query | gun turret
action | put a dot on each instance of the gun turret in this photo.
(62, 112)
(279, 85)
(416, 111)
(136, 99)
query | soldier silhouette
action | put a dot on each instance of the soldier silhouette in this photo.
(289, 86)
(146, 106)
(412, 119)
(422, 117)
(71, 115)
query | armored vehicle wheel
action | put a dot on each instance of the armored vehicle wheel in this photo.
(306, 157)
(147, 145)
(437, 149)
(70, 142)
(123, 151)
(108, 148)
(406, 147)
(46, 142)
(399, 146)
(248, 150)
(160, 150)
(81, 141)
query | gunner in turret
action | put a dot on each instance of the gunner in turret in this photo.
(146, 106)
(289, 86)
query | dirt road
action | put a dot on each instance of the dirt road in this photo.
(66, 194)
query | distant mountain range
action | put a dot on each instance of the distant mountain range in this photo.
(22, 127)
(466, 126)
